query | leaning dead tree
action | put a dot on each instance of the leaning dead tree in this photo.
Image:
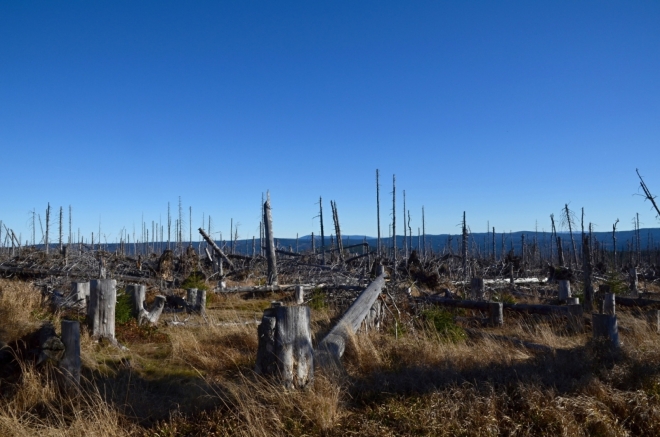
(647, 193)
(216, 248)
(335, 219)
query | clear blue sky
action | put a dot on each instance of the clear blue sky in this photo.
(506, 110)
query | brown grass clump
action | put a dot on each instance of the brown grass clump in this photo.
(20, 309)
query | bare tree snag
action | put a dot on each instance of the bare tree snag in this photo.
(335, 219)
(647, 193)
(137, 293)
(154, 312)
(378, 247)
(270, 244)
(101, 308)
(70, 363)
(285, 346)
(587, 267)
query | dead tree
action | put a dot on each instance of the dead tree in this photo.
(331, 348)
(322, 233)
(47, 226)
(216, 248)
(587, 267)
(568, 219)
(647, 193)
(71, 363)
(464, 249)
(614, 242)
(378, 247)
(335, 219)
(394, 226)
(270, 243)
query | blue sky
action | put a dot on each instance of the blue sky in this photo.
(506, 110)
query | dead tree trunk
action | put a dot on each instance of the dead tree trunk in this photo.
(70, 363)
(605, 326)
(216, 248)
(378, 247)
(285, 346)
(335, 219)
(101, 308)
(270, 244)
(477, 288)
(137, 293)
(634, 284)
(564, 289)
(587, 267)
(80, 293)
(331, 348)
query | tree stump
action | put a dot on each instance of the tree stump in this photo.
(605, 326)
(80, 294)
(137, 293)
(299, 294)
(609, 304)
(191, 299)
(101, 308)
(200, 302)
(495, 313)
(564, 289)
(573, 301)
(477, 288)
(285, 346)
(154, 313)
(634, 284)
(70, 363)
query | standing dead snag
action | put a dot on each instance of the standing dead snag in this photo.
(587, 267)
(285, 345)
(647, 193)
(335, 219)
(270, 243)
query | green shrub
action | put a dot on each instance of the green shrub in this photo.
(443, 322)
(617, 285)
(124, 308)
(317, 302)
(195, 280)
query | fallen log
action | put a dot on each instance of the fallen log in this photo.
(331, 348)
(635, 302)
(216, 248)
(26, 271)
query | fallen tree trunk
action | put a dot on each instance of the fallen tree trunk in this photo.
(635, 302)
(331, 348)
(215, 247)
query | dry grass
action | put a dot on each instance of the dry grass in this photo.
(20, 309)
(198, 380)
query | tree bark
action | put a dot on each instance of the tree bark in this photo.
(101, 308)
(70, 363)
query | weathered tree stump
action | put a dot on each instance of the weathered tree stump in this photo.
(80, 294)
(495, 313)
(609, 304)
(285, 346)
(138, 293)
(573, 301)
(605, 326)
(154, 312)
(564, 289)
(200, 302)
(634, 284)
(191, 298)
(299, 294)
(477, 288)
(101, 308)
(70, 363)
